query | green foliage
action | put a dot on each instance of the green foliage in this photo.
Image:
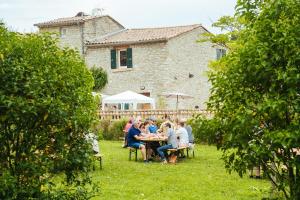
(116, 128)
(255, 96)
(112, 130)
(103, 130)
(231, 27)
(100, 78)
(46, 106)
(206, 130)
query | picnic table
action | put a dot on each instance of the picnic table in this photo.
(148, 140)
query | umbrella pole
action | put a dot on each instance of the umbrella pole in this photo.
(177, 107)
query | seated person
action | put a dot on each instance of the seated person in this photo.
(153, 130)
(125, 130)
(152, 126)
(171, 144)
(190, 134)
(93, 140)
(163, 129)
(144, 128)
(133, 137)
(183, 135)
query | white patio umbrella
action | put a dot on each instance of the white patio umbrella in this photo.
(178, 96)
(128, 97)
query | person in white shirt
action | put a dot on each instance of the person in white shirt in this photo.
(183, 136)
(93, 140)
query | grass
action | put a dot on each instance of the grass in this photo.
(202, 177)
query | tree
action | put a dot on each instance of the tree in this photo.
(100, 78)
(255, 95)
(46, 107)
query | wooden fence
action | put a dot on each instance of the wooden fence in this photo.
(158, 114)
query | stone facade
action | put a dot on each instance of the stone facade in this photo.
(175, 63)
(75, 35)
(178, 65)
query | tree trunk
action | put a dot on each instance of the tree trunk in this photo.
(292, 184)
(297, 178)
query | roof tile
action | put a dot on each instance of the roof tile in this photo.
(143, 35)
(68, 20)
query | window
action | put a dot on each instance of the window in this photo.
(126, 106)
(63, 32)
(121, 58)
(220, 53)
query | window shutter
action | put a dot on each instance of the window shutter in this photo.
(129, 57)
(113, 60)
(218, 54)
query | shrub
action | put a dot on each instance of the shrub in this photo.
(205, 130)
(112, 130)
(100, 78)
(104, 129)
(116, 129)
(46, 107)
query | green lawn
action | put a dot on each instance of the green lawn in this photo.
(202, 177)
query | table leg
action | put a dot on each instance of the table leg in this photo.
(147, 150)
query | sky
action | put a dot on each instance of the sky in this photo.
(20, 15)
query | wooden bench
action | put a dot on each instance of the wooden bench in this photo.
(191, 148)
(182, 148)
(132, 150)
(98, 157)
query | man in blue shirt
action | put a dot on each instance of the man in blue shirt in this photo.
(133, 137)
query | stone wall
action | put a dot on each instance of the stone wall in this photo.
(71, 39)
(100, 26)
(188, 63)
(77, 34)
(160, 68)
(146, 60)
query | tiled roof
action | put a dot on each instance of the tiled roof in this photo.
(143, 35)
(70, 21)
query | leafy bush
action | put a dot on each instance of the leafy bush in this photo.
(100, 78)
(104, 129)
(116, 129)
(255, 92)
(46, 107)
(112, 130)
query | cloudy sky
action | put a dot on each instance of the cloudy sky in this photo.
(20, 15)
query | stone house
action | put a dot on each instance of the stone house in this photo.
(75, 31)
(150, 61)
